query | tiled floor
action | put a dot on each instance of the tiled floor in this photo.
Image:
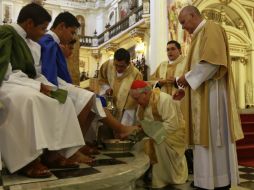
(108, 159)
(102, 160)
(246, 182)
(246, 175)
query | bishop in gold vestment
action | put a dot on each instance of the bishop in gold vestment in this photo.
(161, 119)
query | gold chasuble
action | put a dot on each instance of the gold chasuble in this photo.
(163, 122)
(166, 70)
(204, 49)
(120, 85)
(175, 69)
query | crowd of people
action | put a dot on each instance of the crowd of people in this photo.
(189, 101)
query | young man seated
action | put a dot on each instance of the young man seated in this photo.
(54, 68)
(36, 124)
(161, 119)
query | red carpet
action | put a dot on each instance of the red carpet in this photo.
(245, 147)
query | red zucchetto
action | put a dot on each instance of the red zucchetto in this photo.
(138, 84)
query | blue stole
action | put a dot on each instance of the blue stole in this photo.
(53, 62)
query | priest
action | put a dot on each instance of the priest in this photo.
(214, 115)
(116, 77)
(162, 121)
(167, 71)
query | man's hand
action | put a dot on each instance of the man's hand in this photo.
(162, 82)
(182, 82)
(179, 94)
(109, 92)
(169, 80)
(45, 89)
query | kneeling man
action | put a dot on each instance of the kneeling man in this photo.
(161, 119)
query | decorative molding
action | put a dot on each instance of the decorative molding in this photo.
(137, 34)
(226, 2)
(147, 20)
(239, 23)
(77, 4)
(218, 16)
(111, 47)
(237, 50)
(146, 7)
(96, 53)
(250, 11)
(222, 17)
(239, 59)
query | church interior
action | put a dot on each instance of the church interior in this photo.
(143, 27)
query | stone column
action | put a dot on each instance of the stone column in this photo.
(242, 81)
(251, 61)
(234, 67)
(239, 74)
(158, 33)
(73, 64)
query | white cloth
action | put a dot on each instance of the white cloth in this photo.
(34, 121)
(128, 117)
(217, 165)
(3, 115)
(79, 96)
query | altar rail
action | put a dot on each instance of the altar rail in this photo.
(94, 41)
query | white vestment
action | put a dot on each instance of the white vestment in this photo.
(2, 118)
(216, 165)
(34, 121)
(79, 96)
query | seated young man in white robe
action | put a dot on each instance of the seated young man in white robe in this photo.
(161, 119)
(54, 68)
(39, 122)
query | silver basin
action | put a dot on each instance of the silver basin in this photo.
(118, 145)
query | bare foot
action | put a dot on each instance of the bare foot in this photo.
(126, 131)
(88, 150)
(81, 158)
(36, 169)
(52, 159)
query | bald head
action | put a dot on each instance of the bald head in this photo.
(190, 18)
(191, 9)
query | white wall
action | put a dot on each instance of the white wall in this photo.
(15, 7)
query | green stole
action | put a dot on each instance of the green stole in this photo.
(14, 50)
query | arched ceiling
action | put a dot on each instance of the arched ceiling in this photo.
(76, 4)
(225, 15)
